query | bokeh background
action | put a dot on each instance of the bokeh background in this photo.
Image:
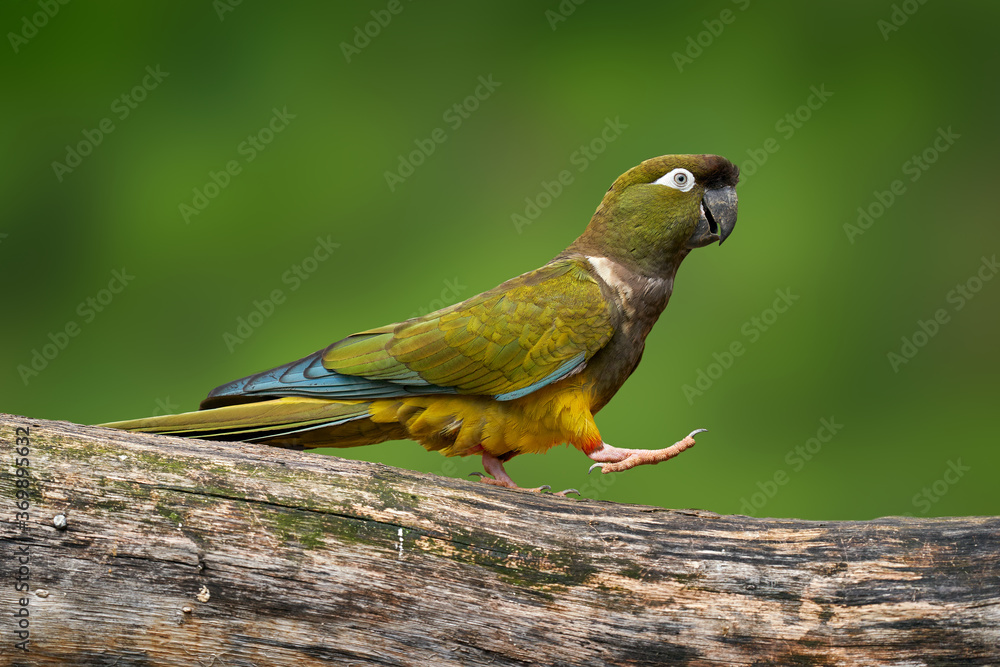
(916, 438)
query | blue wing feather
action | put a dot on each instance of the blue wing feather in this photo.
(308, 377)
(574, 364)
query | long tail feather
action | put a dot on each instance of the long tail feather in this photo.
(260, 420)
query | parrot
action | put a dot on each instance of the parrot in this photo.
(517, 369)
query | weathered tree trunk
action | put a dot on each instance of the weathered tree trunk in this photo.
(184, 552)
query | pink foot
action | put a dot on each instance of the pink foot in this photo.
(494, 467)
(614, 459)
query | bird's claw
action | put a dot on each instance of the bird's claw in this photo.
(613, 459)
(486, 479)
(561, 494)
(483, 477)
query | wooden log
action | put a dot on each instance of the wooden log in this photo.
(185, 552)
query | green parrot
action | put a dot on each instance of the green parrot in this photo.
(519, 368)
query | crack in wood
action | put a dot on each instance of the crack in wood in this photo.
(301, 556)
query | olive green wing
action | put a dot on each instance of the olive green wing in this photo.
(526, 333)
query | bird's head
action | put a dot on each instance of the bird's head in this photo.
(658, 211)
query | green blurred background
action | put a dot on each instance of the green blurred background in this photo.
(917, 439)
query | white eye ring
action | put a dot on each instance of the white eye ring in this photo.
(678, 179)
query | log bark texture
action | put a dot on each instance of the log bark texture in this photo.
(184, 552)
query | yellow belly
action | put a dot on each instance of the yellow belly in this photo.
(458, 425)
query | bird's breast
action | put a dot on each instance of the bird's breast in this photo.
(639, 300)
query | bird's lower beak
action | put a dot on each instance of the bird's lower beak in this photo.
(718, 217)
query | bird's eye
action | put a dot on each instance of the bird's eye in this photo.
(678, 179)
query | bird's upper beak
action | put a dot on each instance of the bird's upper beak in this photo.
(718, 217)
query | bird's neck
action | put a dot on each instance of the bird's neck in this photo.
(638, 300)
(641, 298)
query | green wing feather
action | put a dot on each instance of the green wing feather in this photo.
(501, 341)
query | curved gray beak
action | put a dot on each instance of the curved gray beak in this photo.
(718, 217)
